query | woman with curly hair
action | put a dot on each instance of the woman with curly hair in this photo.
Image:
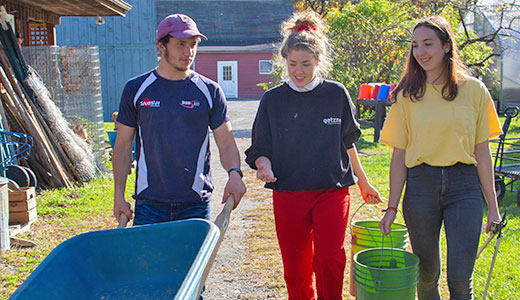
(303, 148)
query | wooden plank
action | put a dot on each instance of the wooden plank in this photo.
(366, 123)
(80, 7)
(30, 13)
(17, 105)
(24, 111)
(22, 242)
(23, 195)
(62, 160)
(22, 206)
(372, 102)
(23, 217)
(16, 229)
(367, 102)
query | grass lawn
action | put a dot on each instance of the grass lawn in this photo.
(64, 213)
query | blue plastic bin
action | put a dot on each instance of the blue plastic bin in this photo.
(158, 261)
(112, 135)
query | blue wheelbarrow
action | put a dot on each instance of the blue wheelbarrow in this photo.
(159, 261)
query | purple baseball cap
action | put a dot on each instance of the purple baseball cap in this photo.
(179, 26)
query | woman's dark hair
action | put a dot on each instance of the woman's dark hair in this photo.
(413, 81)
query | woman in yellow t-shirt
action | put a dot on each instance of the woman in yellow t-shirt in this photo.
(439, 126)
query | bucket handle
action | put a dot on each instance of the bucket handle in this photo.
(370, 233)
(383, 249)
(357, 209)
(352, 219)
(377, 282)
(360, 206)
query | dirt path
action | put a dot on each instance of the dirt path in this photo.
(226, 280)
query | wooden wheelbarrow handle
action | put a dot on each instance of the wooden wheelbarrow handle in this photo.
(222, 222)
(123, 221)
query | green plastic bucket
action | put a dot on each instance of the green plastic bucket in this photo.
(366, 235)
(386, 274)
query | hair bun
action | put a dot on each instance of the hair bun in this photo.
(307, 20)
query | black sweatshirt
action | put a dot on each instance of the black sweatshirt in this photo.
(306, 136)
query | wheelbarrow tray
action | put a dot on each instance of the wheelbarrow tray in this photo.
(158, 261)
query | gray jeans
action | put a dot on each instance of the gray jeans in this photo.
(451, 195)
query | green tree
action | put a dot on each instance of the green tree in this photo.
(369, 42)
(371, 38)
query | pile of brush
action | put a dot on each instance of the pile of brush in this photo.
(59, 157)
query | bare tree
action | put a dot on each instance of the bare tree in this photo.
(502, 20)
(322, 7)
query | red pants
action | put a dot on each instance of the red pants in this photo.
(310, 226)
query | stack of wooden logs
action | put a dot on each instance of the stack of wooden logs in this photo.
(48, 160)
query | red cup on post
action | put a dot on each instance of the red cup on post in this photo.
(375, 92)
(365, 91)
(392, 88)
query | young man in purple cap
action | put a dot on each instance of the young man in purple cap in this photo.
(170, 109)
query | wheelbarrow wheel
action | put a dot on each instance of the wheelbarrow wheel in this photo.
(18, 174)
(33, 181)
(500, 187)
(518, 198)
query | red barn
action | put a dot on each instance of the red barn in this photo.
(237, 69)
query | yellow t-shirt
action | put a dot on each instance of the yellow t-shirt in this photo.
(439, 132)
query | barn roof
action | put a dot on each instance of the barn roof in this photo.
(232, 22)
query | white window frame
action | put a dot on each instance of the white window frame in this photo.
(260, 69)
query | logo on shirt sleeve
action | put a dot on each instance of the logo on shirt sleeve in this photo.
(332, 121)
(147, 102)
(190, 103)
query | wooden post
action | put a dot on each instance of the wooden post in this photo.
(4, 215)
(380, 118)
(358, 110)
(378, 121)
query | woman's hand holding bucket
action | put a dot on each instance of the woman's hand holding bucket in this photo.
(398, 172)
(369, 194)
(387, 221)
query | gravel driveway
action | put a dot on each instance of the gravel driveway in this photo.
(226, 280)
